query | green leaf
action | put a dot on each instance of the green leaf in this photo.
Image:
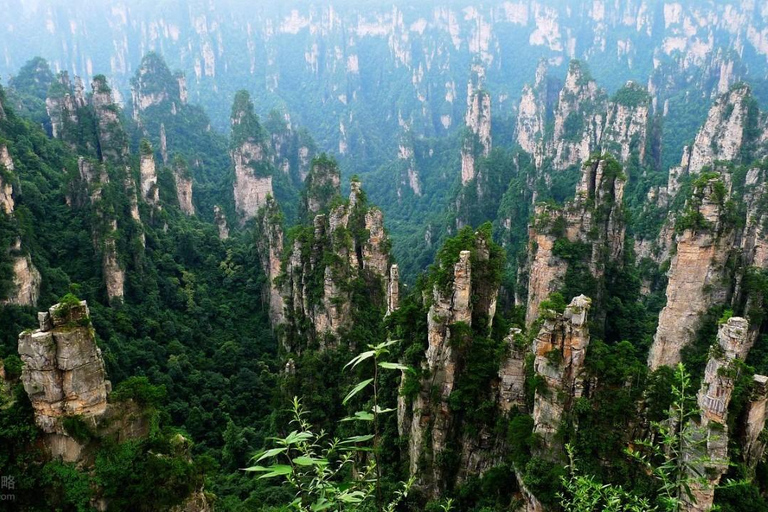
(360, 358)
(360, 416)
(278, 470)
(309, 461)
(269, 453)
(256, 468)
(393, 366)
(379, 410)
(360, 386)
(357, 439)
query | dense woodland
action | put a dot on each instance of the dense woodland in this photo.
(230, 392)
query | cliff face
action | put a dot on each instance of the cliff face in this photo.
(462, 305)
(148, 177)
(183, 179)
(579, 119)
(270, 247)
(63, 374)
(532, 113)
(250, 156)
(626, 128)
(26, 278)
(322, 185)
(560, 349)
(592, 221)
(342, 246)
(477, 141)
(697, 273)
(221, 222)
(409, 176)
(153, 84)
(93, 178)
(713, 400)
(62, 105)
(292, 150)
(753, 423)
(722, 136)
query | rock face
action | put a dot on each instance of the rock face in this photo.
(579, 119)
(292, 150)
(153, 85)
(183, 179)
(64, 372)
(697, 271)
(753, 424)
(722, 136)
(459, 308)
(512, 373)
(393, 289)
(346, 244)
(594, 219)
(62, 105)
(447, 308)
(725, 136)
(251, 159)
(713, 400)
(322, 185)
(221, 222)
(560, 349)
(409, 173)
(270, 247)
(477, 141)
(532, 113)
(93, 177)
(26, 278)
(585, 121)
(626, 128)
(148, 176)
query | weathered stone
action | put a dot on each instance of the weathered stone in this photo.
(221, 222)
(560, 349)
(148, 176)
(512, 373)
(754, 417)
(594, 217)
(709, 457)
(393, 289)
(183, 178)
(64, 371)
(695, 277)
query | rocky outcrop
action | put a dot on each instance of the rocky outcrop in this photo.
(62, 104)
(64, 374)
(346, 244)
(723, 135)
(393, 289)
(579, 119)
(709, 455)
(221, 222)
(292, 150)
(753, 423)
(250, 157)
(477, 140)
(532, 113)
(593, 221)
(26, 278)
(697, 271)
(323, 183)
(560, 349)
(431, 416)
(148, 175)
(512, 372)
(626, 127)
(270, 247)
(183, 180)
(154, 85)
(462, 304)
(93, 178)
(409, 173)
